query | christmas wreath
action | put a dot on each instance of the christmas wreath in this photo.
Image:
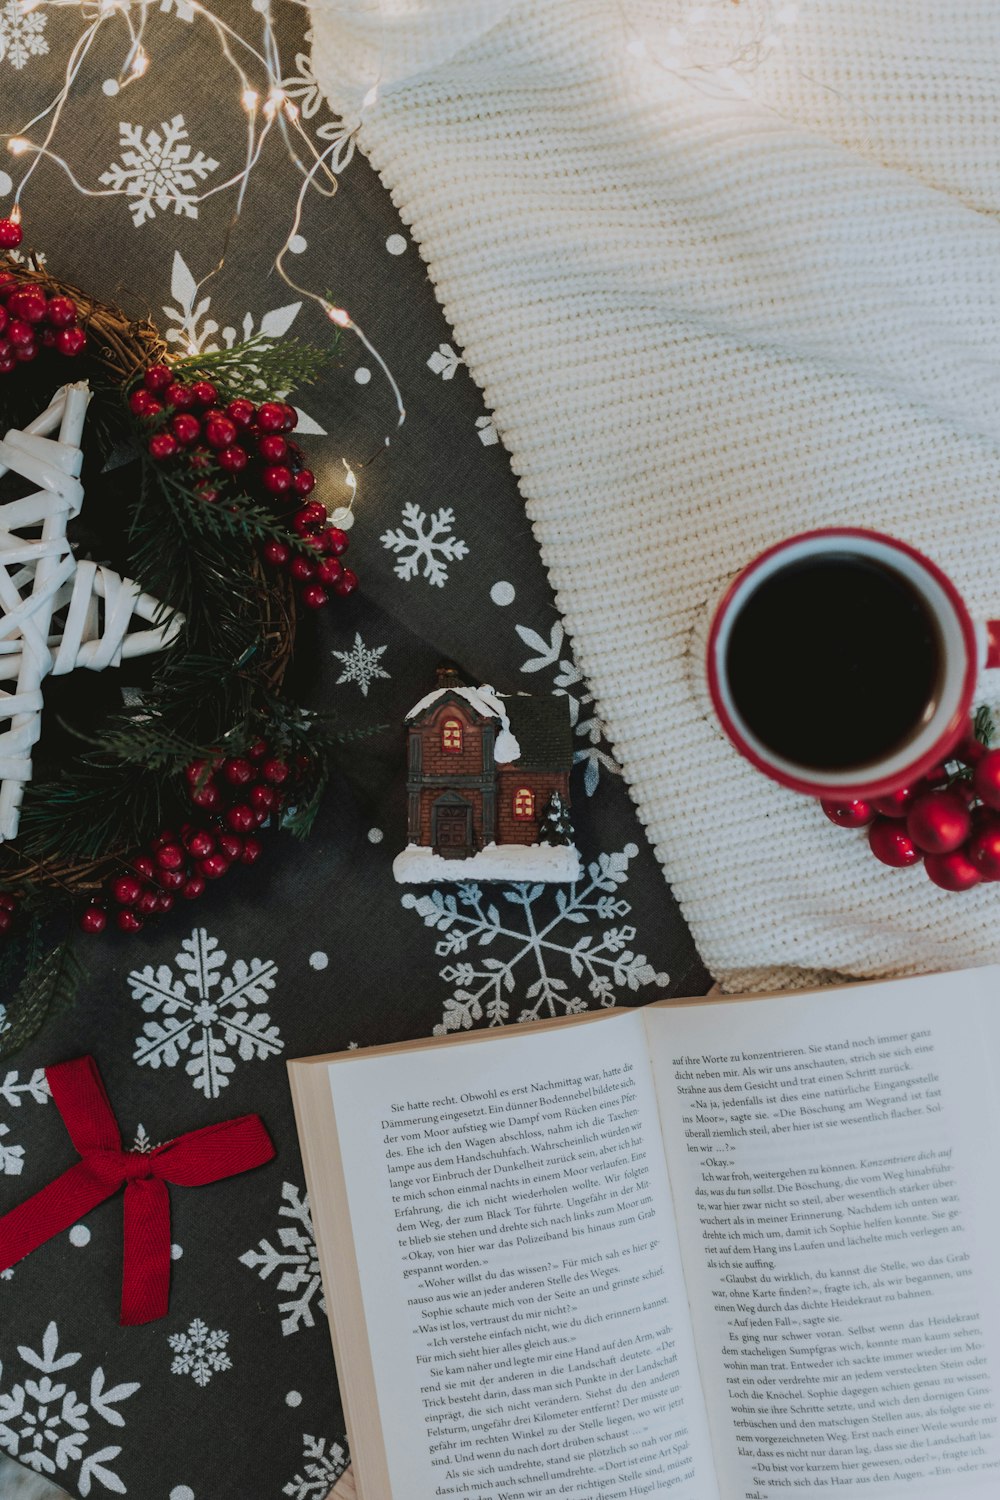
(155, 778)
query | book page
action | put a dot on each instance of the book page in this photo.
(833, 1160)
(520, 1271)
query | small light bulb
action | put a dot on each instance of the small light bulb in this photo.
(140, 63)
(271, 104)
(339, 315)
(371, 97)
(15, 214)
(291, 110)
(17, 145)
(250, 100)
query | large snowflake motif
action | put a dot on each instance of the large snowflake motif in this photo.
(21, 33)
(200, 1353)
(205, 1012)
(322, 1465)
(296, 1260)
(569, 683)
(14, 1094)
(362, 664)
(158, 169)
(46, 1425)
(424, 539)
(537, 939)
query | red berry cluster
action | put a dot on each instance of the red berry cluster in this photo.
(11, 234)
(948, 819)
(238, 793)
(8, 911)
(31, 321)
(249, 441)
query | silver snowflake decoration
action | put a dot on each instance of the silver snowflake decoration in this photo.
(424, 539)
(535, 929)
(362, 664)
(46, 1424)
(21, 33)
(323, 1463)
(200, 1353)
(15, 1093)
(158, 170)
(569, 683)
(205, 1013)
(293, 1260)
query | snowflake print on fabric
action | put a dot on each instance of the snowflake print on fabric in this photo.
(444, 361)
(205, 1013)
(569, 683)
(15, 1094)
(200, 1353)
(322, 1465)
(362, 664)
(533, 927)
(424, 539)
(158, 170)
(46, 1424)
(21, 33)
(295, 1259)
(487, 432)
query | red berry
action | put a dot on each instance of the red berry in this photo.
(143, 403)
(241, 411)
(305, 482)
(938, 821)
(207, 493)
(233, 460)
(126, 890)
(275, 771)
(193, 888)
(983, 848)
(252, 851)
(335, 541)
(220, 432)
(204, 393)
(301, 569)
(200, 844)
(240, 818)
(231, 846)
(171, 880)
(206, 797)
(314, 596)
(27, 302)
(258, 750)
(178, 395)
(329, 571)
(71, 342)
(6, 922)
(60, 312)
(291, 417)
(895, 804)
(197, 770)
(19, 332)
(7, 360)
(277, 554)
(49, 339)
(346, 583)
(953, 871)
(146, 904)
(157, 377)
(93, 920)
(186, 428)
(129, 921)
(3, 317)
(272, 448)
(170, 857)
(890, 842)
(25, 353)
(11, 234)
(144, 867)
(855, 814)
(271, 417)
(310, 518)
(214, 867)
(238, 771)
(986, 778)
(163, 446)
(7, 901)
(970, 749)
(277, 479)
(262, 798)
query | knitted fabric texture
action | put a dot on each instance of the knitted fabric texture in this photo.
(723, 274)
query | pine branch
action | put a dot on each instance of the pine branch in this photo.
(260, 367)
(49, 985)
(983, 726)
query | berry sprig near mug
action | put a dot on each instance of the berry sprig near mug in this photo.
(949, 819)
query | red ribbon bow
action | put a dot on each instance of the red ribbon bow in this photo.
(190, 1160)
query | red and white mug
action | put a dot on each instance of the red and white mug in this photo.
(965, 647)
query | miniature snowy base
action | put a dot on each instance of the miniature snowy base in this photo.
(556, 863)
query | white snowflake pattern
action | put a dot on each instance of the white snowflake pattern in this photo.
(323, 1462)
(200, 1352)
(295, 1258)
(158, 170)
(46, 1425)
(142, 1145)
(4, 1023)
(445, 361)
(205, 1012)
(21, 33)
(569, 683)
(35, 258)
(429, 544)
(15, 1093)
(536, 939)
(362, 664)
(487, 432)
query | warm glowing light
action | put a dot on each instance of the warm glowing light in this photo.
(250, 100)
(15, 214)
(274, 100)
(338, 315)
(17, 145)
(291, 110)
(350, 479)
(140, 63)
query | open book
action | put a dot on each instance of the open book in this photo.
(708, 1251)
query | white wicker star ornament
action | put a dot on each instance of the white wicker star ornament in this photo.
(55, 613)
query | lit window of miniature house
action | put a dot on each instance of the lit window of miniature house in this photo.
(488, 786)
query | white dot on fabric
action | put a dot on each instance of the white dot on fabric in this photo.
(318, 960)
(395, 244)
(362, 375)
(502, 593)
(182, 1492)
(79, 1236)
(297, 244)
(111, 87)
(375, 835)
(176, 1251)
(342, 517)
(294, 1398)
(6, 184)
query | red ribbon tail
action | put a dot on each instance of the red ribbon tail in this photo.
(146, 1266)
(50, 1211)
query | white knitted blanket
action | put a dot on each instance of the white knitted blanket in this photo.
(724, 271)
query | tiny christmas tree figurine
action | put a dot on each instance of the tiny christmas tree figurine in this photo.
(488, 787)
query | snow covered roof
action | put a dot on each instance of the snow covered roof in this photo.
(534, 731)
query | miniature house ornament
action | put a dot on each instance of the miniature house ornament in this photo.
(487, 787)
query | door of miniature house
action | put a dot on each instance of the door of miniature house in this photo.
(451, 827)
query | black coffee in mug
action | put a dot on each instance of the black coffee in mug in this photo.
(834, 661)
